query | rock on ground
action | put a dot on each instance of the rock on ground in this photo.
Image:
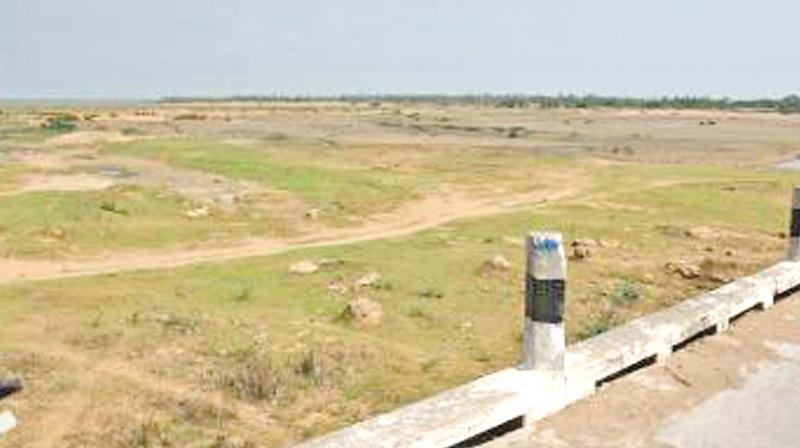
(685, 270)
(313, 214)
(368, 280)
(497, 263)
(303, 267)
(702, 233)
(364, 311)
(582, 248)
(329, 262)
(200, 212)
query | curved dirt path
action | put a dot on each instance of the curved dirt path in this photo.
(409, 219)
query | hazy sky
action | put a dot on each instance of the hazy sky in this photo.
(150, 48)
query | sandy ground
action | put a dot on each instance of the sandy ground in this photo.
(737, 389)
(85, 170)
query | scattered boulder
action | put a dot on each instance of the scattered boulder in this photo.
(368, 281)
(303, 267)
(609, 244)
(719, 278)
(199, 212)
(57, 233)
(364, 311)
(581, 252)
(670, 230)
(338, 287)
(583, 248)
(325, 263)
(588, 242)
(313, 214)
(684, 270)
(720, 270)
(227, 198)
(702, 233)
(497, 263)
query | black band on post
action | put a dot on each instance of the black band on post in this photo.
(794, 230)
(544, 300)
(9, 387)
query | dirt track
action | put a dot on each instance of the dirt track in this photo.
(421, 215)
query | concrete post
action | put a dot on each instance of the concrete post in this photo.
(543, 340)
(794, 227)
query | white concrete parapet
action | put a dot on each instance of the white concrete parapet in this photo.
(455, 415)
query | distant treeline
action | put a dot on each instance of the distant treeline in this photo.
(787, 104)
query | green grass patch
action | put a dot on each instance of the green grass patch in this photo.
(341, 191)
(60, 223)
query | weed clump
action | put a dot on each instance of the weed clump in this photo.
(625, 293)
(112, 207)
(60, 123)
(191, 116)
(259, 377)
(150, 434)
(598, 324)
(242, 292)
(130, 131)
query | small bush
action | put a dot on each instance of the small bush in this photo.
(416, 311)
(60, 123)
(190, 116)
(130, 131)
(431, 293)
(258, 378)
(310, 366)
(150, 434)
(112, 207)
(597, 325)
(276, 137)
(242, 292)
(625, 293)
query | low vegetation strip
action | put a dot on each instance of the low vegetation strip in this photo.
(787, 104)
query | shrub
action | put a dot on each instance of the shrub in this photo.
(112, 207)
(258, 378)
(60, 123)
(242, 292)
(597, 325)
(190, 116)
(625, 293)
(130, 131)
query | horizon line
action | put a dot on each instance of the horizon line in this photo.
(386, 96)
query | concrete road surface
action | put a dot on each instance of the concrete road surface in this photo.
(736, 389)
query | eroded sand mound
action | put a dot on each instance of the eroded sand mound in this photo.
(59, 182)
(80, 138)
